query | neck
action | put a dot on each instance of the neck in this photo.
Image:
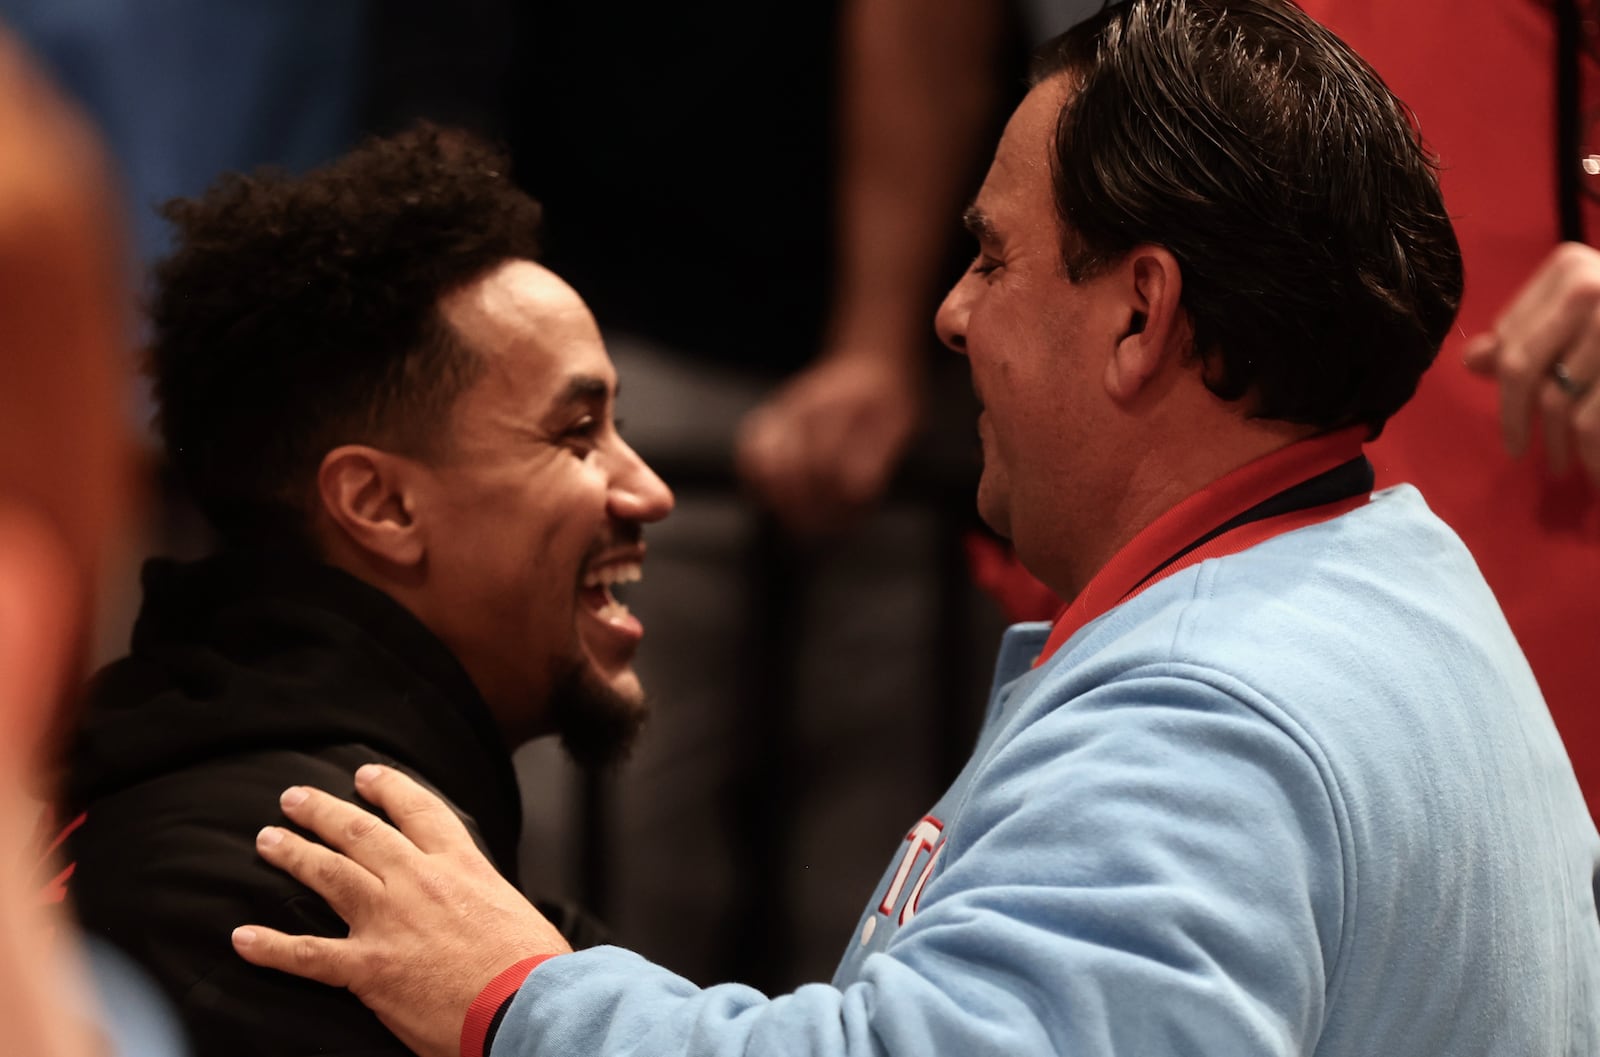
(1151, 479)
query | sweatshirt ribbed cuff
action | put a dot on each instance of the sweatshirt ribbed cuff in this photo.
(483, 1016)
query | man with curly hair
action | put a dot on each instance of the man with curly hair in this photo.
(401, 429)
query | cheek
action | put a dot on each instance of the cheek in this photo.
(564, 519)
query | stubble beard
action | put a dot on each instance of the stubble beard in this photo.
(597, 725)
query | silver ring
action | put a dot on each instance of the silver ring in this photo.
(1565, 382)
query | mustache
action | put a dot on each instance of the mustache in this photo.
(622, 535)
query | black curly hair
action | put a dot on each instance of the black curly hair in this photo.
(300, 313)
(1320, 268)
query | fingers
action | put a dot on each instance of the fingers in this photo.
(1571, 406)
(371, 842)
(1554, 405)
(346, 885)
(1586, 428)
(1541, 290)
(1556, 312)
(424, 818)
(787, 456)
(1523, 381)
(817, 455)
(759, 450)
(313, 957)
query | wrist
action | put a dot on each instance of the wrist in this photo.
(489, 1008)
(882, 355)
(879, 334)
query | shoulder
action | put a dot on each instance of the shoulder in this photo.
(166, 869)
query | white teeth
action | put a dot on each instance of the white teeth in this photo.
(620, 573)
(612, 612)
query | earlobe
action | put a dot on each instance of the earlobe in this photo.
(1156, 326)
(366, 494)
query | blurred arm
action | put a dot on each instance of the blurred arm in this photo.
(919, 88)
(1544, 351)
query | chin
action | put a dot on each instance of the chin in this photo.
(598, 718)
(994, 512)
(625, 687)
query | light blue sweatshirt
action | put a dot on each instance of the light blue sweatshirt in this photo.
(1301, 799)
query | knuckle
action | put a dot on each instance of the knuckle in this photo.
(330, 872)
(307, 952)
(1573, 254)
(360, 827)
(1582, 283)
(1515, 367)
(436, 885)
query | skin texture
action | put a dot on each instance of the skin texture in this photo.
(1091, 398)
(1011, 304)
(1554, 319)
(488, 540)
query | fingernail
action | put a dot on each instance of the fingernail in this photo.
(368, 772)
(269, 836)
(244, 936)
(293, 797)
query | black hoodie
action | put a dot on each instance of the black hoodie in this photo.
(248, 675)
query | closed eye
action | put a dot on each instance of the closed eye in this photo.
(983, 264)
(581, 436)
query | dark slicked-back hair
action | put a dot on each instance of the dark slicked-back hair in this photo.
(1320, 270)
(300, 313)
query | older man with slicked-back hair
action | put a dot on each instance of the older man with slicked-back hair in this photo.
(1277, 780)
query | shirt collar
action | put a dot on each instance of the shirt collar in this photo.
(1150, 555)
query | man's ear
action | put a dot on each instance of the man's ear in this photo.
(1158, 327)
(368, 495)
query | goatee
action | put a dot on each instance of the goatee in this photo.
(596, 724)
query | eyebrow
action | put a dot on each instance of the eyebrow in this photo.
(978, 224)
(583, 389)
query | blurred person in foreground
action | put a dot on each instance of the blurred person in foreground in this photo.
(400, 426)
(1278, 780)
(65, 475)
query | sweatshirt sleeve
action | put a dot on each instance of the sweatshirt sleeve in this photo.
(1154, 867)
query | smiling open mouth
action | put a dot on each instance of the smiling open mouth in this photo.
(598, 585)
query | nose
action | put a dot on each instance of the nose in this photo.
(636, 493)
(951, 319)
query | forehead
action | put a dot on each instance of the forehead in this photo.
(1018, 181)
(530, 329)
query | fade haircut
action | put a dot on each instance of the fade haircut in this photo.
(1320, 270)
(297, 314)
